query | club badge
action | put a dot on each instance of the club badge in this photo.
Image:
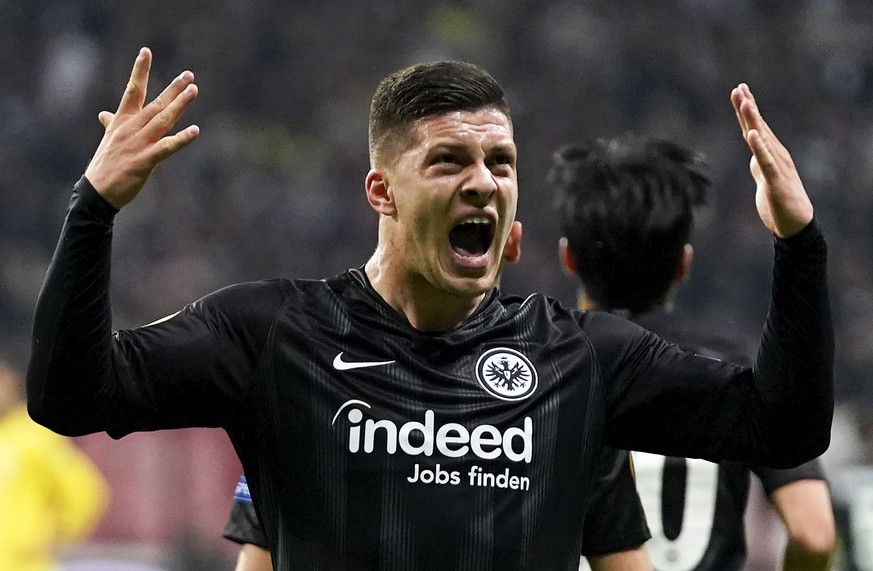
(506, 374)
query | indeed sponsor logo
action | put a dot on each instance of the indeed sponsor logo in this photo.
(424, 437)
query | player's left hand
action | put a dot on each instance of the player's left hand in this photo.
(783, 205)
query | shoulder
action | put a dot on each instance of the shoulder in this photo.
(541, 314)
(614, 333)
(543, 306)
(264, 298)
(609, 336)
(691, 334)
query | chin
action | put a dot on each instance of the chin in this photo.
(471, 287)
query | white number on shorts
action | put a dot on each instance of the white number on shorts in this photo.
(685, 552)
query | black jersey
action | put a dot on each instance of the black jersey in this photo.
(614, 518)
(242, 524)
(695, 508)
(368, 444)
(618, 524)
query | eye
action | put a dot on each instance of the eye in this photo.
(503, 160)
(445, 158)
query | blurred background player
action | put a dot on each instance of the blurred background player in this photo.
(53, 495)
(627, 208)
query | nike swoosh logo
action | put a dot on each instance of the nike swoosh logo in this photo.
(341, 365)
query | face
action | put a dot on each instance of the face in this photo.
(448, 200)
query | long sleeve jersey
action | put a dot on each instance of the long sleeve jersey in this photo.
(368, 444)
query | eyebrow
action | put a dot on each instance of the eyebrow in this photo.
(501, 148)
(509, 149)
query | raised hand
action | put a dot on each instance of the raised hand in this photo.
(782, 202)
(136, 137)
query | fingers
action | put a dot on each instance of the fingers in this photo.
(763, 153)
(750, 119)
(751, 114)
(158, 117)
(173, 143)
(168, 96)
(737, 98)
(136, 139)
(135, 92)
(164, 120)
(105, 118)
(746, 110)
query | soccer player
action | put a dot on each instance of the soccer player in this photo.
(627, 208)
(407, 414)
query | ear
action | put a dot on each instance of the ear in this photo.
(512, 249)
(380, 199)
(565, 257)
(683, 270)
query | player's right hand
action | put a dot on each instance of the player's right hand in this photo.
(136, 139)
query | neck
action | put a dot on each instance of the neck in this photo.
(585, 303)
(422, 305)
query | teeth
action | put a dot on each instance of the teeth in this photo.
(477, 220)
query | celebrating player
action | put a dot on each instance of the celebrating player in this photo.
(406, 414)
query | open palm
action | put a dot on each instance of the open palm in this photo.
(136, 139)
(782, 202)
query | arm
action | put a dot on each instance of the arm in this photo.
(798, 334)
(253, 558)
(805, 509)
(81, 377)
(633, 559)
(776, 414)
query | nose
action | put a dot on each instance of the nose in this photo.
(480, 187)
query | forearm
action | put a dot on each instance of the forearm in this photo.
(253, 558)
(71, 346)
(795, 358)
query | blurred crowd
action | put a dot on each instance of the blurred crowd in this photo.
(274, 185)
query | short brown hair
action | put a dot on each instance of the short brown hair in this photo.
(425, 90)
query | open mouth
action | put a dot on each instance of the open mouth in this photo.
(472, 238)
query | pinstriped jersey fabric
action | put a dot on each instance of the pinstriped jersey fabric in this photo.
(402, 458)
(370, 445)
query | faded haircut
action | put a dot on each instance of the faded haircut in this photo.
(426, 90)
(626, 206)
